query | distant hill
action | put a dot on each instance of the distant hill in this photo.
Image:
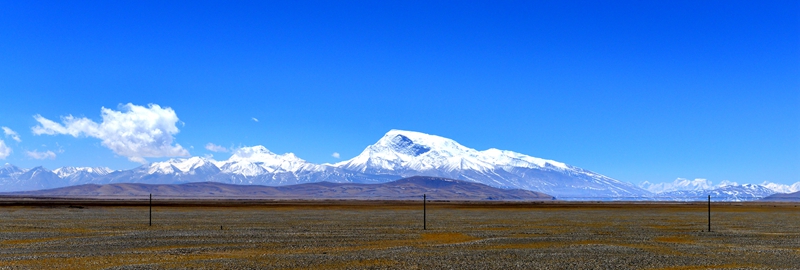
(404, 189)
(783, 197)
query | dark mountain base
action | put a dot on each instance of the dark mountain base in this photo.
(404, 189)
(783, 197)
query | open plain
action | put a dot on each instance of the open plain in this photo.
(219, 234)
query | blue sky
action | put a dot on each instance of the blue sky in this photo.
(638, 90)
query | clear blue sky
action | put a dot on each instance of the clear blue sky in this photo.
(639, 90)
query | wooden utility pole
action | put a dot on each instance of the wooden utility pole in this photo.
(424, 212)
(151, 209)
(709, 213)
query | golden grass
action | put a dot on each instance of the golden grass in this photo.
(446, 238)
(719, 266)
(676, 239)
(187, 237)
(32, 240)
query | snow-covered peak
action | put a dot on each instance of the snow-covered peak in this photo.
(401, 150)
(726, 183)
(258, 160)
(36, 171)
(9, 169)
(260, 153)
(782, 188)
(189, 164)
(416, 143)
(179, 165)
(69, 171)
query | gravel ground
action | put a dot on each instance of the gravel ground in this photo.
(388, 236)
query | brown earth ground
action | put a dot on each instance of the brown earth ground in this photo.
(95, 234)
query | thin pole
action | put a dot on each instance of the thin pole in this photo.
(424, 212)
(709, 213)
(151, 209)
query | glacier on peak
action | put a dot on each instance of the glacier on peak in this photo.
(400, 149)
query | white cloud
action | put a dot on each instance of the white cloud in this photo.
(336, 155)
(5, 151)
(255, 119)
(41, 155)
(12, 134)
(135, 132)
(215, 148)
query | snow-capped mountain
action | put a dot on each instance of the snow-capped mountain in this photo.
(407, 150)
(408, 153)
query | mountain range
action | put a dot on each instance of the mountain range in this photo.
(698, 189)
(398, 154)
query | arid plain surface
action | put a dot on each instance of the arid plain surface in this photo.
(390, 235)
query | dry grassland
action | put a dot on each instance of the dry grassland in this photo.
(356, 235)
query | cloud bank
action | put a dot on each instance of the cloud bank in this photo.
(215, 148)
(135, 132)
(41, 155)
(5, 151)
(12, 134)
